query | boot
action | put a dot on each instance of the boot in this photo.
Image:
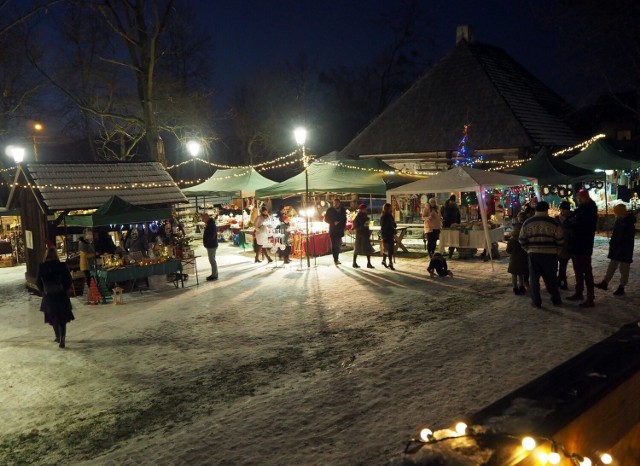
(619, 291)
(63, 334)
(516, 291)
(575, 297)
(602, 285)
(57, 332)
(588, 303)
(521, 289)
(384, 261)
(355, 266)
(391, 264)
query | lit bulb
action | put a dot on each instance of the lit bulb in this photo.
(606, 458)
(461, 428)
(554, 457)
(528, 443)
(425, 434)
(585, 462)
(542, 457)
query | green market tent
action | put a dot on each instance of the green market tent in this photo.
(117, 211)
(601, 156)
(353, 176)
(550, 170)
(232, 182)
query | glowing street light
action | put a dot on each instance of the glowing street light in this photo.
(300, 135)
(38, 127)
(15, 152)
(194, 148)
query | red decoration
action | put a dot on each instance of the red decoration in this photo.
(94, 296)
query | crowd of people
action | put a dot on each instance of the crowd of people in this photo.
(539, 247)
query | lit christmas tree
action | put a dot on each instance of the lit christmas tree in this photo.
(465, 152)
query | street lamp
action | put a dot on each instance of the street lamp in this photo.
(15, 152)
(301, 136)
(194, 148)
(38, 128)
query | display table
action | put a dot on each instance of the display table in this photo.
(319, 245)
(400, 232)
(134, 272)
(469, 239)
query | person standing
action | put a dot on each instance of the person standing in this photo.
(210, 242)
(336, 217)
(432, 225)
(450, 215)
(87, 258)
(542, 238)
(518, 261)
(53, 280)
(620, 248)
(363, 237)
(563, 256)
(582, 226)
(262, 234)
(388, 234)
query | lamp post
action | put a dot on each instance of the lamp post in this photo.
(37, 128)
(194, 148)
(15, 152)
(301, 136)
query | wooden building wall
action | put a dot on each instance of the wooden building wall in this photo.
(34, 221)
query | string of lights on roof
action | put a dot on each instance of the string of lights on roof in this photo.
(376, 170)
(256, 166)
(546, 450)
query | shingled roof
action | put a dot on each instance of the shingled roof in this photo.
(70, 186)
(508, 108)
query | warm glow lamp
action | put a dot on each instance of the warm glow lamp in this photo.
(528, 443)
(461, 428)
(606, 458)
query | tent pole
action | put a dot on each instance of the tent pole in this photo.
(606, 203)
(480, 194)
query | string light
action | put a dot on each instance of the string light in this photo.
(583, 145)
(218, 165)
(550, 455)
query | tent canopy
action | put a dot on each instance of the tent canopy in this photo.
(550, 170)
(232, 182)
(117, 211)
(463, 179)
(601, 156)
(354, 176)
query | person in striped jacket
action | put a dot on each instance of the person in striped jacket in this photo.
(542, 237)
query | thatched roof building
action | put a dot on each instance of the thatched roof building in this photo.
(511, 112)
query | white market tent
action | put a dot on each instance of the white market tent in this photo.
(232, 182)
(466, 179)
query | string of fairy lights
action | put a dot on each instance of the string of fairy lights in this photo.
(280, 162)
(545, 450)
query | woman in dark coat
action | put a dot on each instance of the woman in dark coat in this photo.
(363, 237)
(620, 248)
(388, 233)
(53, 280)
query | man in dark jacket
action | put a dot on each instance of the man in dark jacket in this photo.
(582, 225)
(210, 242)
(620, 248)
(336, 217)
(450, 215)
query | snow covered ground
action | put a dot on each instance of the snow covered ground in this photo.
(280, 366)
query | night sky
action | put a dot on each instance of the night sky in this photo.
(252, 34)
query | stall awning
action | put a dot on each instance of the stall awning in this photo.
(118, 211)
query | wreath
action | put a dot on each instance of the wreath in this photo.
(599, 184)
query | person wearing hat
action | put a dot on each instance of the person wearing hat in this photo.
(363, 237)
(432, 225)
(210, 242)
(450, 215)
(582, 226)
(563, 256)
(262, 235)
(336, 217)
(542, 237)
(620, 248)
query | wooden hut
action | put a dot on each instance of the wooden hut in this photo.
(46, 192)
